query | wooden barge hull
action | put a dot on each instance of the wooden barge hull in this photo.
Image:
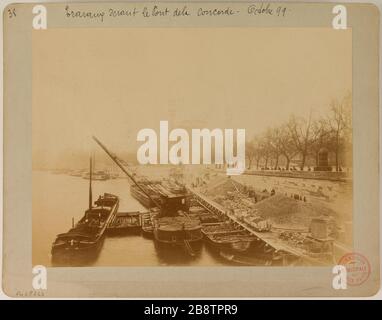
(240, 245)
(82, 240)
(61, 252)
(178, 237)
(125, 223)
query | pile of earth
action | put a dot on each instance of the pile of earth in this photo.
(222, 185)
(281, 209)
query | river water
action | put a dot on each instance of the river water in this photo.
(59, 197)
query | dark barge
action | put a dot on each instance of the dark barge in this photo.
(87, 235)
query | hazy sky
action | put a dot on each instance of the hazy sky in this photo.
(114, 82)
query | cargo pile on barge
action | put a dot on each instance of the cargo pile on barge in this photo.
(125, 222)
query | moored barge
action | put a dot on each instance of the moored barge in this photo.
(124, 223)
(87, 235)
(227, 236)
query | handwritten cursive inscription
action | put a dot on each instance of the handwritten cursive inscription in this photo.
(93, 15)
(266, 9)
(162, 12)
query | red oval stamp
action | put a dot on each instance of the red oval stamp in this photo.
(357, 268)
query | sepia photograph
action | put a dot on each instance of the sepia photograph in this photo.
(190, 149)
(137, 132)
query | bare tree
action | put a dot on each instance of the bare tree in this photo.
(340, 123)
(300, 131)
(305, 137)
(321, 137)
(274, 140)
(266, 149)
(258, 151)
(250, 152)
(287, 147)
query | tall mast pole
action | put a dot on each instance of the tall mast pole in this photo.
(115, 159)
(90, 185)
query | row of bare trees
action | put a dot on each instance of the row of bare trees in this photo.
(302, 139)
